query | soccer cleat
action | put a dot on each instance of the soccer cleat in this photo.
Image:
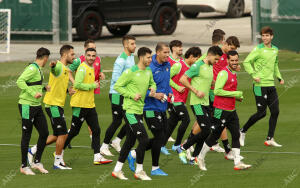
(164, 150)
(242, 138)
(101, 160)
(119, 175)
(158, 172)
(27, 171)
(241, 166)
(141, 175)
(116, 146)
(174, 148)
(182, 157)
(229, 156)
(171, 139)
(193, 161)
(61, 166)
(201, 164)
(217, 148)
(272, 143)
(30, 156)
(39, 167)
(131, 161)
(106, 152)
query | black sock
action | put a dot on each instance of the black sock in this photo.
(191, 135)
(226, 145)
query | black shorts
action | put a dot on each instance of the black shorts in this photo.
(116, 101)
(202, 114)
(58, 122)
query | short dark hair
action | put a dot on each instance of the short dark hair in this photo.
(219, 32)
(216, 38)
(90, 50)
(143, 51)
(232, 53)
(215, 50)
(266, 30)
(65, 48)
(194, 51)
(126, 38)
(175, 43)
(233, 40)
(41, 52)
(87, 42)
(160, 46)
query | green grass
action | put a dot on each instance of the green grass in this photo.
(270, 169)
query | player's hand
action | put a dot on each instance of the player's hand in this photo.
(48, 88)
(165, 98)
(281, 82)
(181, 89)
(257, 80)
(159, 96)
(53, 63)
(71, 90)
(152, 92)
(200, 94)
(102, 76)
(239, 99)
(97, 84)
(137, 97)
(38, 95)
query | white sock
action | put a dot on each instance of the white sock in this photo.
(139, 167)
(104, 146)
(236, 155)
(91, 136)
(155, 167)
(33, 149)
(204, 150)
(133, 153)
(57, 159)
(117, 140)
(118, 166)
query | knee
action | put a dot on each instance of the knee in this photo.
(261, 114)
(275, 113)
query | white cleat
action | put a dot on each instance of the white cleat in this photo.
(61, 166)
(27, 171)
(119, 175)
(229, 156)
(171, 139)
(116, 146)
(217, 148)
(39, 167)
(141, 175)
(241, 166)
(242, 138)
(272, 143)
(201, 164)
(106, 152)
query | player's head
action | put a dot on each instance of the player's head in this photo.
(42, 55)
(220, 32)
(128, 42)
(89, 44)
(90, 55)
(176, 47)
(213, 54)
(162, 52)
(233, 60)
(67, 53)
(192, 55)
(266, 35)
(231, 44)
(217, 40)
(144, 55)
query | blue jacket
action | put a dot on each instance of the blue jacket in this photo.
(161, 76)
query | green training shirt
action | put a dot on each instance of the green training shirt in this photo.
(202, 76)
(262, 62)
(134, 81)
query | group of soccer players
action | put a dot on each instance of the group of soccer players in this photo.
(146, 91)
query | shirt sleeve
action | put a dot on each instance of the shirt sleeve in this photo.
(74, 66)
(120, 85)
(79, 77)
(277, 72)
(193, 71)
(56, 71)
(220, 82)
(175, 69)
(28, 74)
(117, 70)
(152, 84)
(249, 61)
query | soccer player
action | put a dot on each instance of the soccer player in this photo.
(225, 114)
(124, 61)
(134, 84)
(262, 65)
(201, 75)
(83, 105)
(54, 102)
(30, 82)
(179, 111)
(99, 75)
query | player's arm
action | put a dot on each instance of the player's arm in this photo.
(56, 69)
(118, 69)
(28, 74)
(175, 69)
(220, 82)
(79, 77)
(122, 82)
(192, 72)
(276, 71)
(249, 61)
(72, 68)
(152, 86)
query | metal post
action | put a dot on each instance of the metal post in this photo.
(55, 21)
(69, 21)
(255, 21)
